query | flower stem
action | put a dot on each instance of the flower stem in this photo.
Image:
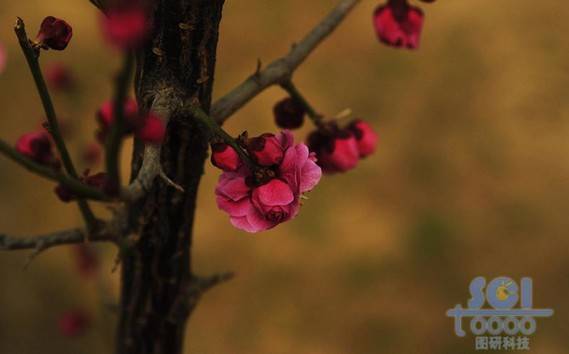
(114, 140)
(74, 185)
(216, 130)
(293, 91)
(32, 56)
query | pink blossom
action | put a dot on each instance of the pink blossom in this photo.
(336, 149)
(151, 130)
(366, 137)
(225, 157)
(37, 146)
(255, 206)
(399, 24)
(54, 33)
(267, 149)
(125, 27)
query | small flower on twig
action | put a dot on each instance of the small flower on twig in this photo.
(267, 149)
(37, 146)
(336, 149)
(126, 26)
(225, 157)
(289, 113)
(151, 129)
(54, 34)
(399, 24)
(366, 137)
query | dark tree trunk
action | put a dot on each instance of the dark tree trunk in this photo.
(159, 289)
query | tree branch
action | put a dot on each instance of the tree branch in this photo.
(114, 140)
(31, 56)
(43, 242)
(162, 105)
(74, 185)
(281, 69)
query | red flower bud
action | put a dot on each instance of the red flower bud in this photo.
(152, 130)
(54, 33)
(266, 149)
(37, 146)
(125, 27)
(59, 77)
(289, 113)
(365, 137)
(73, 323)
(398, 24)
(336, 150)
(105, 118)
(225, 157)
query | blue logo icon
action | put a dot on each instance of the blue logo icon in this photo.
(494, 318)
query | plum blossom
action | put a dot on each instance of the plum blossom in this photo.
(336, 149)
(366, 137)
(38, 147)
(225, 157)
(125, 27)
(289, 113)
(398, 24)
(260, 200)
(54, 33)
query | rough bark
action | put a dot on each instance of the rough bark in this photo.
(159, 289)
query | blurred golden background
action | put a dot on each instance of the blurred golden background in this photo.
(471, 178)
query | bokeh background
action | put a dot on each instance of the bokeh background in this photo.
(471, 178)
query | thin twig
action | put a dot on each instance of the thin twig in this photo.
(162, 105)
(293, 91)
(32, 55)
(77, 187)
(217, 131)
(281, 69)
(114, 140)
(65, 237)
(41, 243)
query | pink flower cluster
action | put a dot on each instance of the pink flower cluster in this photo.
(399, 24)
(258, 200)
